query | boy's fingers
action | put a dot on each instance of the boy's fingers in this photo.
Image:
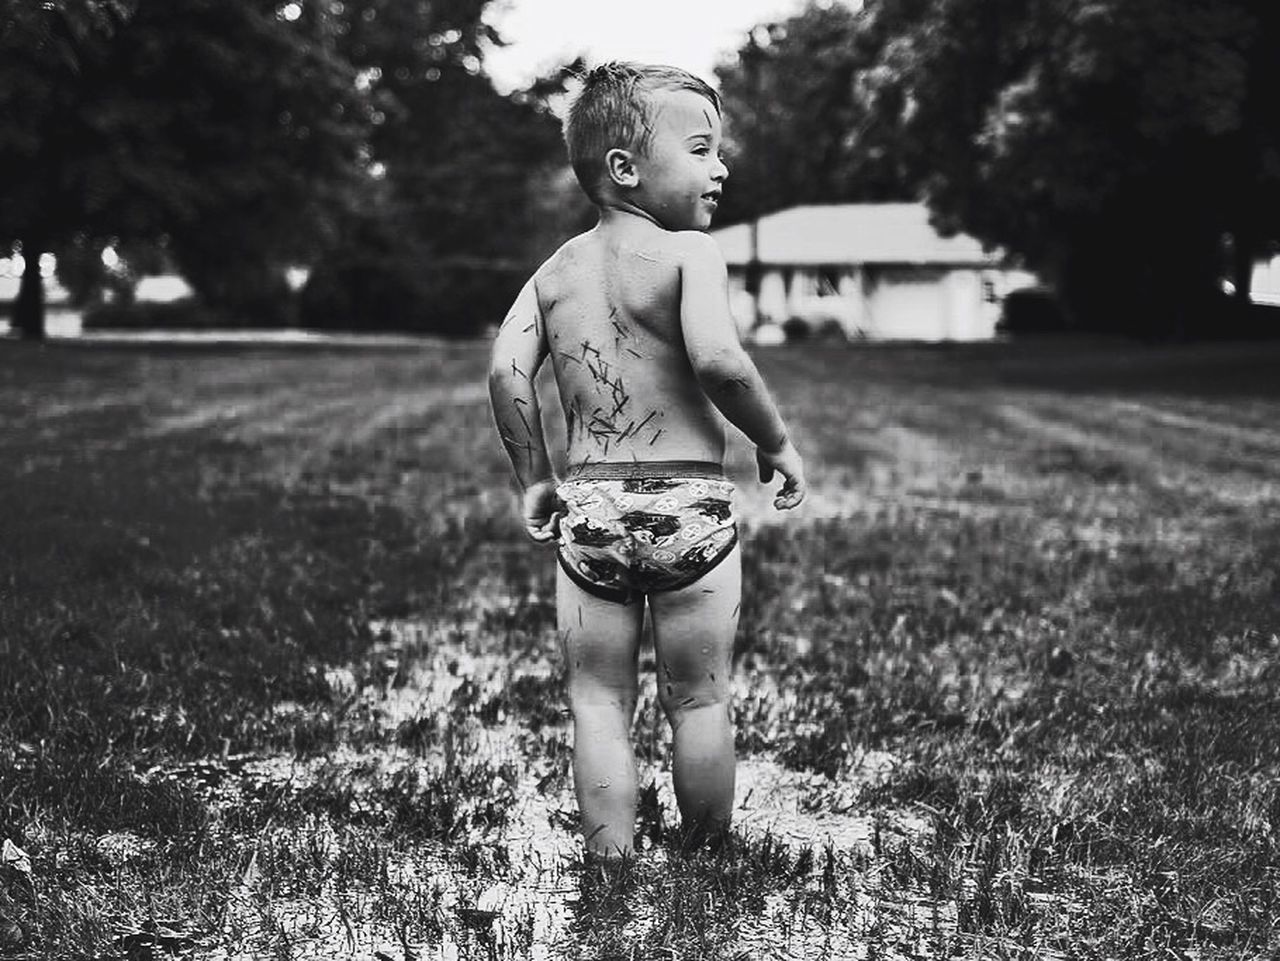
(548, 530)
(790, 494)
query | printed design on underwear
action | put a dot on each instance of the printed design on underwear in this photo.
(717, 508)
(655, 525)
(645, 533)
(590, 534)
(649, 485)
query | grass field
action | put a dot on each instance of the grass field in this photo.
(278, 673)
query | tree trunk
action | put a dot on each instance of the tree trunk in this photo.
(28, 309)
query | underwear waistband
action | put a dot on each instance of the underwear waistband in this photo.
(646, 470)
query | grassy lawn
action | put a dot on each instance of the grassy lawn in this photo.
(278, 673)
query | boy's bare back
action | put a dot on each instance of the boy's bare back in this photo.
(611, 302)
(634, 314)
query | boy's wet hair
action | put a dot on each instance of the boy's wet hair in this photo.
(614, 108)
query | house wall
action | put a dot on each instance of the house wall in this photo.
(879, 303)
(1266, 282)
(908, 304)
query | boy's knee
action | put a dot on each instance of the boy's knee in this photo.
(592, 696)
(678, 699)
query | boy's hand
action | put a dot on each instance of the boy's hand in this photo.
(539, 505)
(786, 461)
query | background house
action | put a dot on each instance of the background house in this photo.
(1266, 282)
(876, 270)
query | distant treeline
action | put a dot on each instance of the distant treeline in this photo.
(230, 141)
(1127, 150)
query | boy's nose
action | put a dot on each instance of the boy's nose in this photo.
(720, 171)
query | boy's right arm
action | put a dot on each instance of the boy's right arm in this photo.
(726, 372)
(518, 352)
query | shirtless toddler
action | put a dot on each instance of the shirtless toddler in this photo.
(634, 317)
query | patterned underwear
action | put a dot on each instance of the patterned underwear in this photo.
(632, 529)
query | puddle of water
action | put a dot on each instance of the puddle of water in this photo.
(532, 890)
(862, 927)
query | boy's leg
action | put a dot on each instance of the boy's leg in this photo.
(601, 642)
(693, 631)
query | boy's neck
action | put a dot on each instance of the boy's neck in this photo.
(620, 213)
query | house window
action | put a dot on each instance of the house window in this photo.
(988, 290)
(828, 282)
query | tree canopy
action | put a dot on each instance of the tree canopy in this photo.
(246, 135)
(227, 128)
(797, 129)
(1110, 143)
(453, 228)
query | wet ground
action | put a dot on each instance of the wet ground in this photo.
(1000, 681)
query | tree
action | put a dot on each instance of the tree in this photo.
(1112, 143)
(797, 128)
(42, 51)
(455, 227)
(238, 136)
(227, 129)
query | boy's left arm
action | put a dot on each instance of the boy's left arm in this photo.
(518, 353)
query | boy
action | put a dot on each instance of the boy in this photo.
(634, 315)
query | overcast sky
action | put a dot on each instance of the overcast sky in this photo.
(684, 33)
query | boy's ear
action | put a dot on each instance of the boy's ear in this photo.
(621, 167)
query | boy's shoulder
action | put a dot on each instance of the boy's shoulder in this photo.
(566, 251)
(698, 246)
(678, 248)
(684, 242)
(694, 253)
(568, 256)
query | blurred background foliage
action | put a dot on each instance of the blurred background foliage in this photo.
(232, 140)
(1128, 150)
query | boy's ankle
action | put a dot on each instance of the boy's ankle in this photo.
(704, 836)
(616, 873)
(609, 859)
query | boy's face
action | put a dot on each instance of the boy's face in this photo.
(681, 173)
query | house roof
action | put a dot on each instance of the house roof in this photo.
(852, 234)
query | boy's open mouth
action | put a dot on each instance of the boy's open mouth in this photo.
(712, 195)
